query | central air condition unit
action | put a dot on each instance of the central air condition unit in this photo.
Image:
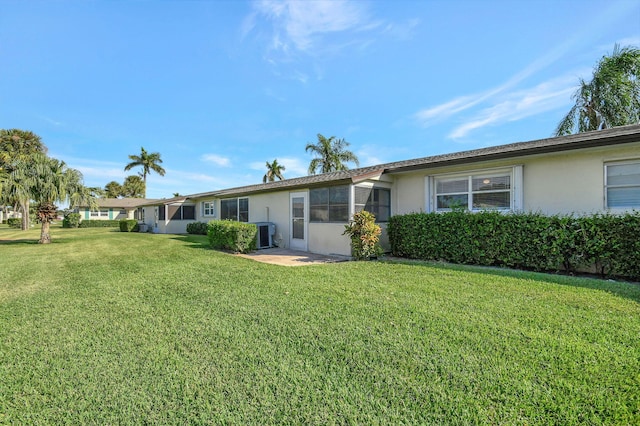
(266, 231)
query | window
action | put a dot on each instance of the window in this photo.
(329, 204)
(182, 212)
(235, 209)
(622, 184)
(139, 214)
(374, 200)
(208, 208)
(161, 212)
(100, 213)
(482, 190)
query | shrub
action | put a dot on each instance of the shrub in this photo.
(229, 235)
(129, 225)
(364, 234)
(199, 228)
(99, 224)
(71, 220)
(605, 243)
(14, 222)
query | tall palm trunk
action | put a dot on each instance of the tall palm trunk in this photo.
(45, 236)
(24, 206)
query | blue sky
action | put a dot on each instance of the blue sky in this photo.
(221, 87)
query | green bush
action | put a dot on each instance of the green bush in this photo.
(364, 234)
(71, 220)
(605, 243)
(199, 228)
(99, 224)
(14, 222)
(129, 225)
(229, 235)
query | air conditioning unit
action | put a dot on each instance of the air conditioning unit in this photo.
(266, 231)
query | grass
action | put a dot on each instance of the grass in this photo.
(104, 327)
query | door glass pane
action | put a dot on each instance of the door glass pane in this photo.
(297, 216)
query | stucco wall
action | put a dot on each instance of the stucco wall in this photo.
(272, 207)
(569, 182)
(327, 238)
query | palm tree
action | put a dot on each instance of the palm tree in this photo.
(47, 181)
(274, 170)
(113, 189)
(610, 99)
(18, 145)
(331, 155)
(149, 162)
(134, 187)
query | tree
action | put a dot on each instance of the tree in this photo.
(274, 170)
(610, 99)
(331, 154)
(148, 162)
(113, 190)
(18, 145)
(47, 181)
(134, 187)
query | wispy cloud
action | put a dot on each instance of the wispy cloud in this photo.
(299, 25)
(216, 159)
(520, 104)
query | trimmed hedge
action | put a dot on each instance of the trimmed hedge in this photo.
(605, 243)
(229, 235)
(129, 225)
(99, 224)
(199, 228)
(14, 222)
(71, 220)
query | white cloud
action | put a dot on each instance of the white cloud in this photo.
(299, 24)
(216, 159)
(517, 105)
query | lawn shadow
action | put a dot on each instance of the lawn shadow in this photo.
(625, 289)
(194, 241)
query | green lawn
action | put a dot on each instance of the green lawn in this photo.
(104, 327)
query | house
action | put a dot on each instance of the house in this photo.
(583, 173)
(113, 209)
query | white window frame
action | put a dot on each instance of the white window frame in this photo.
(516, 184)
(607, 186)
(209, 208)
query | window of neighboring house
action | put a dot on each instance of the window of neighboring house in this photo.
(208, 208)
(330, 204)
(100, 213)
(161, 212)
(184, 212)
(235, 209)
(139, 214)
(374, 200)
(622, 184)
(482, 190)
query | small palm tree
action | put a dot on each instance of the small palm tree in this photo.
(610, 99)
(274, 170)
(331, 154)
(148, 162)
(134, 187)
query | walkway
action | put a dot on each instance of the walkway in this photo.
(286, 257)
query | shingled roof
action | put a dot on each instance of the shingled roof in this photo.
(614, 136)
(123, 203)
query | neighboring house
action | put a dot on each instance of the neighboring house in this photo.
(114, 209)
(583, 173)
(7, 212)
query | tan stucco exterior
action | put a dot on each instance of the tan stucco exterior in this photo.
(552, 176)
(558, 183)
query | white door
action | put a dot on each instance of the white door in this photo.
(298, 223)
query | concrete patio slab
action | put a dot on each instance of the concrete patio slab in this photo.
(286, 257)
